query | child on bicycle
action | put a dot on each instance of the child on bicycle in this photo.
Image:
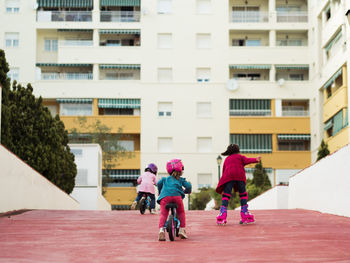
(233, 176)
(147, 181)
(172, 189)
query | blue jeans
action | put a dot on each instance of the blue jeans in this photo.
(152, 196)
(240, 186)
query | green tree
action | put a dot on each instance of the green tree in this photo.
(260, 178)
(5, 135)
(99, 133)
(30, 132)
(322, 150)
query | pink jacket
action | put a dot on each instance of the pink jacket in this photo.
(147, 181)
(233, 169)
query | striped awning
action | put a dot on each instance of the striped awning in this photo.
(62, 65)
(120, 31)
(333, 41)
(65, 3)
(304, 137)
(250, 66)
(328, 125)
(123, 174)
(74, 100)
(119, 103)
(292, 66)
(333, 78)
(120, 3)
(120, 66)
(253, 143)
(73, 30)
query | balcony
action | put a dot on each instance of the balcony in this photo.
(295, 108)
(292, 72)
(249, 17)
(64, 16)
(292, 16)
(120, 16)
(75, 43)
(66, 76)
(250, 72)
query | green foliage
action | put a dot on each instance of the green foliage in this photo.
(322, 150)
(5, 84)
(35, 136)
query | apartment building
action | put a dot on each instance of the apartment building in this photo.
(183, 79)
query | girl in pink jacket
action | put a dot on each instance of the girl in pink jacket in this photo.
(147, 181)
(233, 176)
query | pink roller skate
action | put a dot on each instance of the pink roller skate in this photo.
(246, 218)
(221, 218)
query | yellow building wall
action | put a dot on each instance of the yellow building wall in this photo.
(335, 103)
(339, 140)
(128, 163)
(120, 195)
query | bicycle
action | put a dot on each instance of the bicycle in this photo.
(145, 203)
(172, 224)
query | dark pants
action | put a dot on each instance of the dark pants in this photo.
(240, 186)
(152, 196)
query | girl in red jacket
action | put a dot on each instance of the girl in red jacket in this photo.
(233, 176)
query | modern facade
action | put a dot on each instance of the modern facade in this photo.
(186, 78)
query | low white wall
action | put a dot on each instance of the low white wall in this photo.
(274, 198)
(21, 187)
(324, 186)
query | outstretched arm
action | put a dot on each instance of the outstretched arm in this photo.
(250, 160)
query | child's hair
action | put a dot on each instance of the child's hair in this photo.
(176, 175)
(231, 149)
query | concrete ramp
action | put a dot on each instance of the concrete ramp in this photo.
(21, 187)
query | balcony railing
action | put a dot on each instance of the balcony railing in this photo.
(249, 16)
(291, 111)
(255, 112)
(292, 17)
(120, 16)
(66, 76)
(70, 43)
(64, 16)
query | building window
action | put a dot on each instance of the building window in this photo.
(77, 152)
(82, 177)
(121, 145)
(11, 39)
(203, 74)
(165, 144)
(204, 180)
(203, 6)
(52, 109)
(246, 42)
(165, 109)
(165, 74)
(293, 142)
(336, 123)
(204, 144)
(203, 109)
(203, 41)
(76, 109)
(327, 12)
(165, 40)
(165, 6)
(12, 6)
(51, 45)
(253, 143)
(13, 74)
(246, 107)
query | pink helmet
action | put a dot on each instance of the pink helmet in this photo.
(174, 165)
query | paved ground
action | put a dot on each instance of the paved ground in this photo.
(127, 236)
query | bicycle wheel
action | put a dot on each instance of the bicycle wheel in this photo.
(176, 224)
(171, 228)
(142, 206)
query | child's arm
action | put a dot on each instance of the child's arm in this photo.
(155, 180)
(160, 185)
(250, 160)
(139, 180)
(187, 185)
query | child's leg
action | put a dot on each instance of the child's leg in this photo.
(243, 195)
(153, 200)
(138, 197)
(180, 210)
(163, 211)
(227, 193)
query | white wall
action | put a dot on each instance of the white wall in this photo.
(21, 187)
(324, 186)
(274, 198)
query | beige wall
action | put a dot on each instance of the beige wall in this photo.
(21, 187)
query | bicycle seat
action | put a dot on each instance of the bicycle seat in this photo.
(170, 205)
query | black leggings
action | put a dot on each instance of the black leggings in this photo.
(240, 186)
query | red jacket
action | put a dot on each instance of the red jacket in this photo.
(233, 169)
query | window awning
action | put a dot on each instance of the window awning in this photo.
(119, 103)
(120, 31)
(250, 66)
(65, 3)
(73, 30)
(333, 78)
(120, 2)
(292, 66)
(304, 137)
(120, 66)
(328, 125)
(62, 65)
(123, 174)
(333, 41)
(75, 100)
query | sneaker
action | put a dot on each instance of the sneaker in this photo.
(133, 205)
(161, 235)
(153, 211)
(182, 233)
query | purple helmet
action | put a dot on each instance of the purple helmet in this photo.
(152, 167)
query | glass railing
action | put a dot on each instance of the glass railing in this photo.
(66, 76)
(292, 16)
(250, 112)
(64, 16)
(120, 16)
(76, 43)
(249, 16)
(290, 111)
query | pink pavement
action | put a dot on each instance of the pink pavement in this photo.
(127, 236)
